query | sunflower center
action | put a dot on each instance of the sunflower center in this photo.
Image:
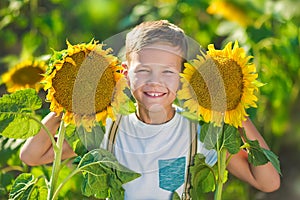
(218, 84)
(86, 88)
(28, 75)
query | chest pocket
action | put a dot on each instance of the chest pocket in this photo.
(171, 173)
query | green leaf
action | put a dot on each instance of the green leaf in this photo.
(9, 151)
(189, 115)
(39, 191)
(93, 139)
(256, 156)
(104, 175)
(260, 156)
(209, 135)
(129, 106)
(26, 187)
(273, 158)
(202, 178)
(227, 135)
(231, 139)
(95, 185)
(17, 117)
(175, 196)
(82, 141)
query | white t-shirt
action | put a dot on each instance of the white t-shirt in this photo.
(160, 153)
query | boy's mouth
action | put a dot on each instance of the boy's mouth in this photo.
(154, 94)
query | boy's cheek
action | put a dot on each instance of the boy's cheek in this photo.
(174, 91)
(134, 84)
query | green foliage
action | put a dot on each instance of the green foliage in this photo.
(17, 117)
(231, 139)
(26, 187)
(69, 191)
(256, 155)
(10, 163)
(224, 139)
(228, 137)
(175, 196)
(83, 141)
(235, 189)
(103, 175)
(260, 156)
(203, 178)
(99, 167)
(209, 135)
(128, 106)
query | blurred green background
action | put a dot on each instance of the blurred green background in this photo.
(268, 30)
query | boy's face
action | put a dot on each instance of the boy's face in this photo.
(153, 75)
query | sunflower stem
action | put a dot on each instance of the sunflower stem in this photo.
(64, 182)
(47, 132)
(221, 173)
(57, 161)
(222, 154)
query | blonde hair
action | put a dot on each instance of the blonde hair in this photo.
(151, 32)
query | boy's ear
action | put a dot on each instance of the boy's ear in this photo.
(125, 71)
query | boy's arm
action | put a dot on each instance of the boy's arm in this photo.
(264, 177)
(38, 150)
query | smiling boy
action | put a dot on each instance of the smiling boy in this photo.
(155, 140)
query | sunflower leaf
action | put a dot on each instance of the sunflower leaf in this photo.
(273, 158)
(209, 135)
(260, 156)
(227, 135)
(103, 175)
(82, 141)
(17, 117)
(256, 155)
(202, 178)
(231, 139)
(26, 187)
(175, 196)
(74, 141)
(128, 106)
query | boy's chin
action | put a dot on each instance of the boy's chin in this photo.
(157, 108)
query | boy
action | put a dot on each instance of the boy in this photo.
(155, 141)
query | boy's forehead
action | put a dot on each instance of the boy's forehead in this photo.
(164, 47)
(156, 55)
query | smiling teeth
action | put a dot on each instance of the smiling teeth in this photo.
(154, 94)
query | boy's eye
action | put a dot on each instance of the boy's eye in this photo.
(143, 70)
(168, 72)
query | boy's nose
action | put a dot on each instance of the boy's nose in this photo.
(155, 78)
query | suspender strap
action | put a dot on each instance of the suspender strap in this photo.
(193, 151)
(112, 134)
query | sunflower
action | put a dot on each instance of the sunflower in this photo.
(26, 74)
(220, 85)
(81, 82)
(229, 11)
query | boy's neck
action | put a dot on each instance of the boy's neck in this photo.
(156, 115)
